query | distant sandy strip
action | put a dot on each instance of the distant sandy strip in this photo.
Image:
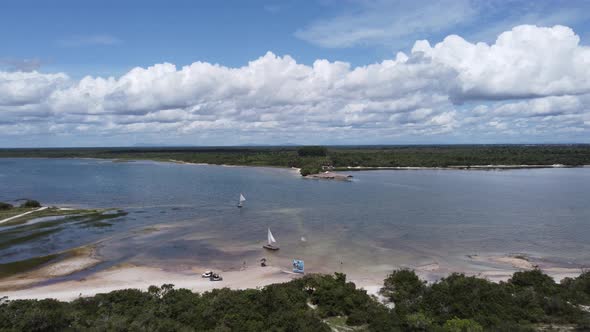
(461, 167)
(187, 163)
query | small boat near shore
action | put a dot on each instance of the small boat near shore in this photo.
(271, 242)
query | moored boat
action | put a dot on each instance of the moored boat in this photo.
(271, 242)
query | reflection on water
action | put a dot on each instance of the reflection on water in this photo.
(186, 214)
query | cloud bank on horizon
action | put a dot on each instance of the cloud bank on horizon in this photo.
(531, 85)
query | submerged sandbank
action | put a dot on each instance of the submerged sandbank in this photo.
(63, 264)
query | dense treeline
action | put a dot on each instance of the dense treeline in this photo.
(311, 159)
(527, 301)
(312, 151)
(468, 155)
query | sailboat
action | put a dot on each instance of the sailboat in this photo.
(242, 200)
(271, 241)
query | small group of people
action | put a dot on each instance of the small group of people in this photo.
(217, 277)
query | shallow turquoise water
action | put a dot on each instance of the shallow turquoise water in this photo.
(183, 215)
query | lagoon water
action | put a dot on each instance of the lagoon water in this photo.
(182, 215)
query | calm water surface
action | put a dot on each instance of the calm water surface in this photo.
(182, 215)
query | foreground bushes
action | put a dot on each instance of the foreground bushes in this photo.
(453, 304)
(527, 299)
(281, 307)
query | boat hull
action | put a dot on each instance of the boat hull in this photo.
(270, 247)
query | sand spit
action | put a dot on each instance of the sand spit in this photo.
(187, 163)
(23, 214)
(501, 267)
(329, 176)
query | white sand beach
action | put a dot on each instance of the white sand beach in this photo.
(141, 277)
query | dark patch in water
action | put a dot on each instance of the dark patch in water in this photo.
(97, 224)
(12, 268)
(97, 219)
(26, 238)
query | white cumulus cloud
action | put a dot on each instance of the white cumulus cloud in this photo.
(528, 61)
(533, 81)
(21, 88)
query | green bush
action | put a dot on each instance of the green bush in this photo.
(405, 289)
(462, 325)
(577, 290)
(402, 284)
(461, 296)
(535, 279)
(5, 206)
(307, 170)
(31, 203)
(419, 322)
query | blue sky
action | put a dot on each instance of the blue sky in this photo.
(111, 37)
(66, 35)
(48, 47)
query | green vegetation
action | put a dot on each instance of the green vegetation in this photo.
(526, 300)
(11, 212)
(311, 158)
(529, 300)
(462, 325)
(311, 167)
(49, 212)
(30, 203)
(312, 151)
(5, 206)
(8, 210)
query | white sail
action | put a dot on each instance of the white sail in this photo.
(242, 198)
(271, 238)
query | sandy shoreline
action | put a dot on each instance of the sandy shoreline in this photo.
(329, 176)
(493, 268)
(142, 277)
(397, 168)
